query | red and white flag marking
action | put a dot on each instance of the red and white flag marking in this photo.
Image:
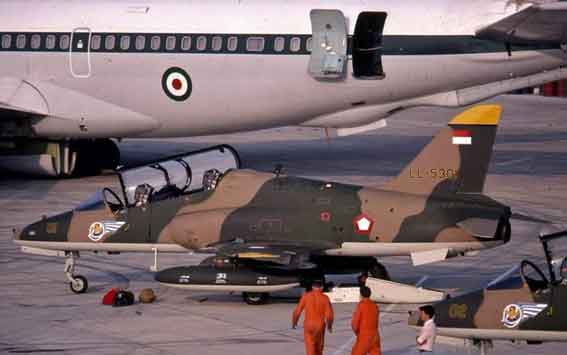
(462, 137)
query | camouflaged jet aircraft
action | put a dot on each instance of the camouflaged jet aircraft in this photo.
(269, 231)
(529, 306)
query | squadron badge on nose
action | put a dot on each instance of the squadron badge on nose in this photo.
(176, 84)
(99, 230)
(513, 314)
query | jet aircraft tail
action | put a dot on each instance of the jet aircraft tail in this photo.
(457, 159)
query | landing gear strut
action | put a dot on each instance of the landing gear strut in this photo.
(77, 283)
(379, 271)
(255, 298)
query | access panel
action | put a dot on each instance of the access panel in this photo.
(329, 44)
(367, 46)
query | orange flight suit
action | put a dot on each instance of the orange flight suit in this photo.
(318, 312)
(365, 326)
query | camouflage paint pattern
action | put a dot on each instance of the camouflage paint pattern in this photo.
(490, 308)
(424, 204)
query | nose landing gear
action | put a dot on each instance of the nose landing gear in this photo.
(77, 283)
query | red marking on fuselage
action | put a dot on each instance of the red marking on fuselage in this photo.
(176, 83)
(461, 133)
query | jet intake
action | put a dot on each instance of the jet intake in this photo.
(480, 227)
(228, 279)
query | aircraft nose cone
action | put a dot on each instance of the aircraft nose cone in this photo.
(52, 229)
(30, 232)
(170, 275)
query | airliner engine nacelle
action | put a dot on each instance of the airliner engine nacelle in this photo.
(50, 158)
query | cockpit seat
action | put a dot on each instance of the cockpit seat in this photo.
(167, 192)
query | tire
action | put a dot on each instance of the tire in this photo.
(80, 285)
(111, 154)
(255, 298)
(378, 271)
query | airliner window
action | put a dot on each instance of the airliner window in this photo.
(295, 44)
(201, 43)
(35, 41)
(255, 44)
(156, 41)
(50, 42)
(217, 43)
(6, 41)
(109, 42)
(279, 44)
(309, 44)
(21, 41)
(170, 43)
(140, 43)
(186, 43)
(125, 42)
(96, 41)
(64, 42)
(232, 44)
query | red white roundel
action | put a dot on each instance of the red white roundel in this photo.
(362, 224)
(177, 84)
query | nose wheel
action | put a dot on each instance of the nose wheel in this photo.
(77, 283)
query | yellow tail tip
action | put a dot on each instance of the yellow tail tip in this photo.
(488, 115)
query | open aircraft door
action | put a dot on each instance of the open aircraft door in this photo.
(329, 45)
(80, 53)
(367, 46)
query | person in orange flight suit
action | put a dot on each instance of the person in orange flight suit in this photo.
(318, 313)
(365, 325)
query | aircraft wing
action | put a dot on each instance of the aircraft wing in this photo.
(277, 255)
(20, 98)
(543, 24)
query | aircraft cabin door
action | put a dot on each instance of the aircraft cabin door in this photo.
(367, 46)
(80, 53)
(329, 45)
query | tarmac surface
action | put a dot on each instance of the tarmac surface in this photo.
(39, 314)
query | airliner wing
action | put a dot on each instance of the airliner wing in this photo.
(18, 97)
(543, 24)
(72, 109)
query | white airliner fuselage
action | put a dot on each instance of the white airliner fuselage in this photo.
(113, 69)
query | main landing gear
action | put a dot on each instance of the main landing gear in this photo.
(378, 271)
(77, 283)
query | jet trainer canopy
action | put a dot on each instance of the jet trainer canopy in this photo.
(555, 249)
(183, 173)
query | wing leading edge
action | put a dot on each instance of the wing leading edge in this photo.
(537, 24)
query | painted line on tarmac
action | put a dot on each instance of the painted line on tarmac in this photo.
(345, 346)
(503, 275)
(422, 280)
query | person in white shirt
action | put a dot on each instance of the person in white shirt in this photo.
(426, 337)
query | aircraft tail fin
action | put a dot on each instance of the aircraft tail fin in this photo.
(457, 159)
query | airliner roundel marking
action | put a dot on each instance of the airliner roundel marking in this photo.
(176, 84)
